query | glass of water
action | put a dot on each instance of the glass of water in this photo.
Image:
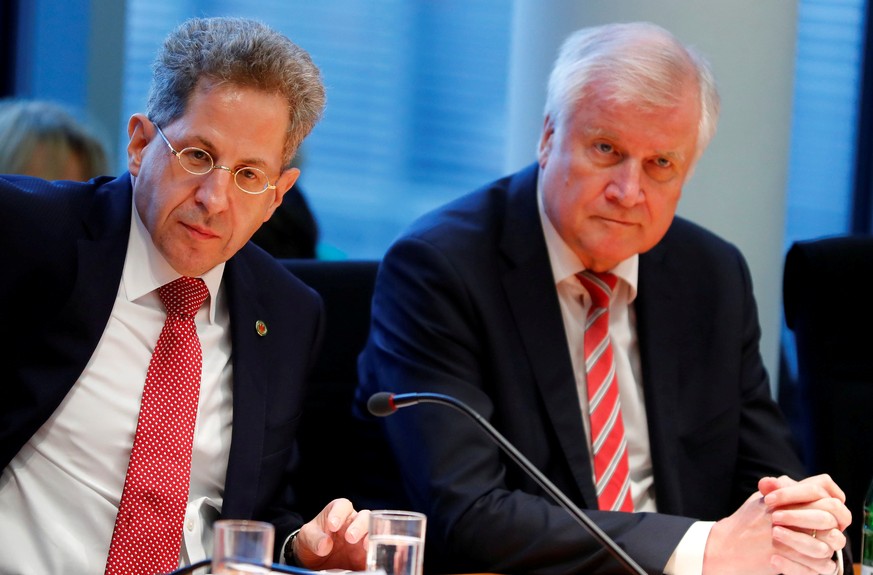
(242, 547)
(396, 542)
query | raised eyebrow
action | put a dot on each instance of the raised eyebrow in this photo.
(245, 162)
(597, 132)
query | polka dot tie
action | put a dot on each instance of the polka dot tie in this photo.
(148, 529)
(608, 441)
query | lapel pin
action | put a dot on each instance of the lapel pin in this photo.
(261, 328)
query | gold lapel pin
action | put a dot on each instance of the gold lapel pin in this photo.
(261, 328)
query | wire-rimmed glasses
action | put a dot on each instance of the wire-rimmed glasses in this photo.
(199, 162)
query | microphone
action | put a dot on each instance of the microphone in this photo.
(383, 404)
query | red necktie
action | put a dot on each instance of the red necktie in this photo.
(608, 441)
(148, 529)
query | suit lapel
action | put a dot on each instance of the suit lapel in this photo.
(530, 289)
(660, 307)
(82, 319)
(250, 381)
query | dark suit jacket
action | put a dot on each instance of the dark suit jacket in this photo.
(465, 304)
(63, 247)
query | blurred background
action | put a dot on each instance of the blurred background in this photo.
(429, 99)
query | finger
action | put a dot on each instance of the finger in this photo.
(786, 566)
(337, 514)
(802, 543)
(797, 494)
(835, 538)
(312, 540)
(324, 546)
(823, 514)
(829, 484)
(809, 489)
(804, 519)
(768, 484)
(800, 552)
(359, 527)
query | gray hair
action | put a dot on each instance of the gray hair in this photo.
(241, 52)
(27, 124)
(641, 63)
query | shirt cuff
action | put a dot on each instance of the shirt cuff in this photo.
(687, 558)
(287, 555)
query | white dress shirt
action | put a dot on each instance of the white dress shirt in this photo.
(60, 494)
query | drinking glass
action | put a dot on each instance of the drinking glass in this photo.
(396, 542)
(242, 547)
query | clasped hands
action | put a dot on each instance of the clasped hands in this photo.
(787, 526)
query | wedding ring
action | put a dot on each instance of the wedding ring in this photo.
(814, 532)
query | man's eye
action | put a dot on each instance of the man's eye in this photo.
(663, 163)
(248, 174)
(604, 148)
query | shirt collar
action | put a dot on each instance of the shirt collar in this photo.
(145, 269)
(565, 263)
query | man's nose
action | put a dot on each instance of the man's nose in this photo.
(213, 192)
(626, 185)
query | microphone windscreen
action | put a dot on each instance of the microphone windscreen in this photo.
(381, 404)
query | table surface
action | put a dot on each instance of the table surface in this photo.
(856, 567)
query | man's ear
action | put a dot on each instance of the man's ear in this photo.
(137, 128)
(545, 145)
(283, 184)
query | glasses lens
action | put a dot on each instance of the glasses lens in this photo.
(195, 160)
(251, 180)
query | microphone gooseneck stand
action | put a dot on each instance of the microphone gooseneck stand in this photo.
(383, 404)
(277, 567)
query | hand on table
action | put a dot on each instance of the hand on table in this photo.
(335, 539)
(809, 518)
(787, 527)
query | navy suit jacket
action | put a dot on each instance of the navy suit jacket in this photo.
(466, 305)
(63, 248)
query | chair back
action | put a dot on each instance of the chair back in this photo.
(829, 308)
(342, 455)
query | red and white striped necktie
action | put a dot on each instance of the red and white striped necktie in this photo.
(608, 441)
(148, 528)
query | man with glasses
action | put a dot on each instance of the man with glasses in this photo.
(156, 379)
